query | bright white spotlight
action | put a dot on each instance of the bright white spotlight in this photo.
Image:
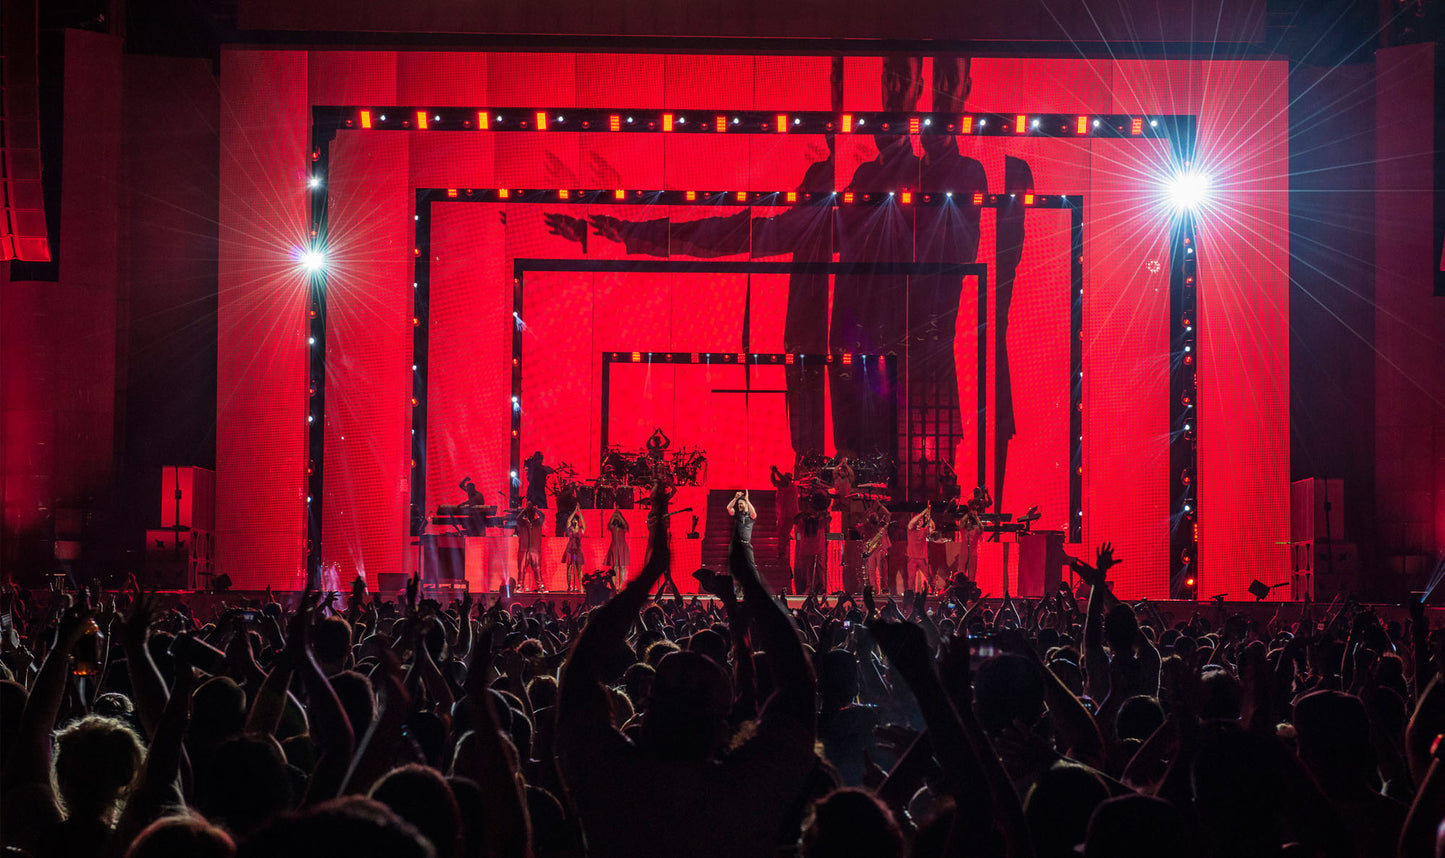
(313, 261)
(1187, 190)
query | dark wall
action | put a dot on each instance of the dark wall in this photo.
(166, 377)
(1332, 284)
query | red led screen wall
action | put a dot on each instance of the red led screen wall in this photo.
(1243, 370)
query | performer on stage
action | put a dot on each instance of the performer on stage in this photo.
(972, 526)
(529, 546)
(744, 515)
(980, 502)
(920, 530)
(947, 481)
(810, 568)
(572, 558)
(843, 480)
(875, 550)
(474, 495)
(657, 444)
(537, 474)
(619, 554)
(787, 508)
(666, 493)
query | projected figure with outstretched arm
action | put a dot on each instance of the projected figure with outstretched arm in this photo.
(804, 231)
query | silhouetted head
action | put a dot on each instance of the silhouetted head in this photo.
(1058, 808)
(354, 827)
(188, 835)
(96, 758)
(850, 822)
(244, 783)
(687, 715)
(1135, 826)
(1006, 689)
(331, 638)
(357, 698)
(837, 677)
(1121, 627)
(422, 797)
(1333, 733)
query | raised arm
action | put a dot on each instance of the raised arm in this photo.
(505, 823)
(582, 708)
(796, 687)
(334, 733)
(29, 764)
(984, 813)
(1096, 661)
(147, 688)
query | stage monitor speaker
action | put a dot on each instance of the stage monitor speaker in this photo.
(443, 559)
(1041, 563)
(1307, 499)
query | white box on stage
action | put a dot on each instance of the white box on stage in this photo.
(1041, 563)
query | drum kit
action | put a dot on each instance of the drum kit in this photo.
(623, 471)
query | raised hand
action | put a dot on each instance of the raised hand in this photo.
(568, 227)
(904, 643)
(608, 227)
(1104, 558)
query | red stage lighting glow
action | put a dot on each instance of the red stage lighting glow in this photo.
(366, 119)
(421, 120)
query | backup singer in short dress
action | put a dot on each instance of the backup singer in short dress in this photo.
(572, 557)
(619, 554)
